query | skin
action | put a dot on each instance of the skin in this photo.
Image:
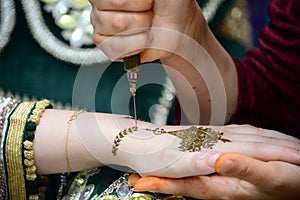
(238, 177)
(126, 27)
(91, 139)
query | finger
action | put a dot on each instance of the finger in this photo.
(117, 47)
(243, 167)
(187, 164)
(112, 23)
(261, 151)
(199, 187)
(124, 5)
(236, 137)
(133, 178)
(170, 186)
(248, 129)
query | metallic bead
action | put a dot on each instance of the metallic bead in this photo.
(53, 45)
(28, 145)
(31, 177)
(34, 119)
(31, 169)
(33, 197)
(37, 112)
(49, 1)
(79, 3)
(28, 162)
(28, 154)
(174, 197)
(140, 196)
(67, 21)
(110, 197)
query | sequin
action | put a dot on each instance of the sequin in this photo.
(123, 190)
(67, 21)
(140, 196)
(110, 197)
(88, 190)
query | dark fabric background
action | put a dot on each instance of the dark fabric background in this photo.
(27, 69)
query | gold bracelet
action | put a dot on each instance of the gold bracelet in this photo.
(72, 118)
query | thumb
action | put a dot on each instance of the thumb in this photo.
(242, 167)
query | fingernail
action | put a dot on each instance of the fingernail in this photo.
(129, 183)
(225, 166)
(212, 160)
(135, 190)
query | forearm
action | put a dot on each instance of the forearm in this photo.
(50, 145)
(89, 144)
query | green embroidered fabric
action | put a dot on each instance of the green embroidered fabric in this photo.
(28, 70)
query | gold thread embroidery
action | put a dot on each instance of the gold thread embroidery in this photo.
(13, 151)
(34, 117)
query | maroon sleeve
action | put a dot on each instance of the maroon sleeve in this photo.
(269, 76)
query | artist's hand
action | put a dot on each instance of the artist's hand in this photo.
(239, 177)
(176, 33)
(159, 155)
(131, 20)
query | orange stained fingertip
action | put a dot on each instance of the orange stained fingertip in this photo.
(155, 183)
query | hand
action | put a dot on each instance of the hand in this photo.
(123, 26)
(176, 33)
(242, 177)
(158, 155)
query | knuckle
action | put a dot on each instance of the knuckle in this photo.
(93, 18)
(258, 147)
(244, 171)
(250, 128)
(118, 3)
(148, 4)
(97, 39)
(147, 18)
(259, 131)
(277, 182)
(268, 140)
(186, 189)
(243, 190)
(119, 22)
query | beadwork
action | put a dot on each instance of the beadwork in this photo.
(3, 113)
(14, 151)
(28, 136)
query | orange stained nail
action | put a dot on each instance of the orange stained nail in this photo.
(150, 183)
(133, 178)
(222, 160)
